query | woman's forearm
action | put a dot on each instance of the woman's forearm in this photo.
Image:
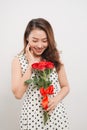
(63, 92)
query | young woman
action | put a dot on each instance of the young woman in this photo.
(39, 45)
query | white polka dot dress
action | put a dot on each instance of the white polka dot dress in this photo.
(32, 112)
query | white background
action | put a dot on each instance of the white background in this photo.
(69, 21)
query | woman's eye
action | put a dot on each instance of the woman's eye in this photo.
(34, 41)
(45, 41)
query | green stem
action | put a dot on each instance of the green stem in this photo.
(44, 75)
(46, 117)
(48, 73)
(45, 78)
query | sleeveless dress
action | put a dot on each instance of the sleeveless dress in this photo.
(32, 112)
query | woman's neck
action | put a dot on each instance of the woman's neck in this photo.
(38, 58)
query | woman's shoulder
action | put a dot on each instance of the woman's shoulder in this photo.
(18, 57)
(15, 60)
(21, 54)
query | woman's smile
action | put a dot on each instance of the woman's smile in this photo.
(38, 50)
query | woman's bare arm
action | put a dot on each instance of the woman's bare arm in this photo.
(18, 86)
(63, 83)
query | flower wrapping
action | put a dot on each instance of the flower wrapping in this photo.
(43, 83)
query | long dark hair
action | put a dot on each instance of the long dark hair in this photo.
(51, 53)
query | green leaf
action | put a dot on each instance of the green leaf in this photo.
(40, 82)
(49, 83)
(28, 81)
(35, 78)
(36, 81)
(34, 87)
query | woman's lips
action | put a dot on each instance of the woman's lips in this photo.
(39, 50)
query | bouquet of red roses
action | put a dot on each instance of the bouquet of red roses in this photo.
(43, 83)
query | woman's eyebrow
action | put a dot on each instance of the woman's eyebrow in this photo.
(44, 38)
(41, 38)
(34, 37)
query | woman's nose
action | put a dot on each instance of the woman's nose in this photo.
(39, 45)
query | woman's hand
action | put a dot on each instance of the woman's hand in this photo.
(29, 54)
(53, 102)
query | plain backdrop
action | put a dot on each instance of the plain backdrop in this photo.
(69, 21)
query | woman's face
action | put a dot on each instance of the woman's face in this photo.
(38, 41)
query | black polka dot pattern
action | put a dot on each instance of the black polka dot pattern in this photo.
(31, 117)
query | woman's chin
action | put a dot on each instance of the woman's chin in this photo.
(38, 53)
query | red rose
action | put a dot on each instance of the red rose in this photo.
(49, 65)
(42, 65)
(35, 65)
(39, 66)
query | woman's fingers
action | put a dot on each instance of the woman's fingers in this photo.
(51, 107)
(52, 104)
(29, 53)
